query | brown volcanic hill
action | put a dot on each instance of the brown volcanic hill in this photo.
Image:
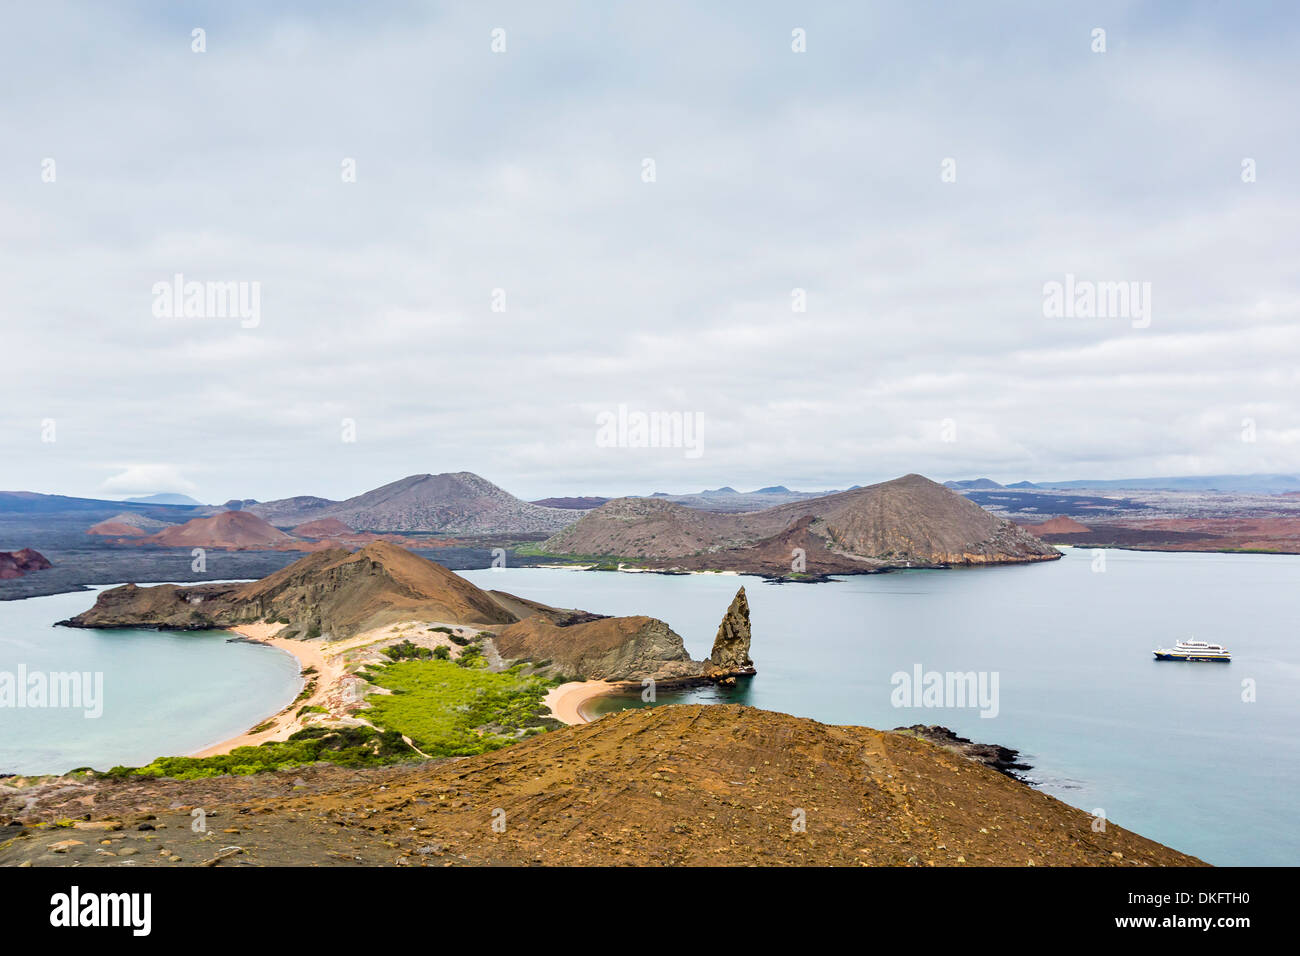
(230, 529)
(115, 529)
(14, 564)
(286, 512)
(458, 503)
(380, 584)
(331, 593)
(322, 528)
(1061, 524)
(910, 521)
(684, 785)
(913, 519)
(127, 524)
(646, 528)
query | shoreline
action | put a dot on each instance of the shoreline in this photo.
(566, 702)
(284, 721)
(16, 587)
(329, 689)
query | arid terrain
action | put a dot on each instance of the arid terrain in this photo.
(1154, 520)
(684, 785)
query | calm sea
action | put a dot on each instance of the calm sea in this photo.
(1177, 752)
(163, 692)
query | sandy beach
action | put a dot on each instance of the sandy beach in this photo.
(330, 663)
(566, 700)
(329, 669)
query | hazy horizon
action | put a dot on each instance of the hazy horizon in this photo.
(450, 258)
(673, 491)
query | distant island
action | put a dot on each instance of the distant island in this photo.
(907, 522)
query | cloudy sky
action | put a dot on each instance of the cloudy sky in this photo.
(921, 171)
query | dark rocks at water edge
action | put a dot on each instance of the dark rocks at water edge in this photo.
(14, 564)
(999, 758)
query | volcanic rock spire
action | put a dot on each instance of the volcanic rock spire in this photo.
(730, 654)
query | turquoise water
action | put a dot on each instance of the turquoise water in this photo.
(163, 692)
(1167, 749)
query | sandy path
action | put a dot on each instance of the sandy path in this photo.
(566, 700)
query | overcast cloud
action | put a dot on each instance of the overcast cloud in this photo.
(522, 171)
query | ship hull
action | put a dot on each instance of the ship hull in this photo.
(1192, 657)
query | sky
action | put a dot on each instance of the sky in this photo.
(476, 232)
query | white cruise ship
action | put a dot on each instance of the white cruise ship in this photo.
(1193, 651)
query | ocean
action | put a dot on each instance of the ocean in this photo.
(163, 692)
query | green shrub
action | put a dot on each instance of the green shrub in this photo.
(471, 656)
(406, 651)
(346, 746)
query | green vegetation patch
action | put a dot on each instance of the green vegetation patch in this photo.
(407, 650)
(457, 708)
(347, 746)
(447, 708)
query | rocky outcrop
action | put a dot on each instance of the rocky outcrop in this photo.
(996, 757)
(173, 607)
(14, 564)
(634, 648)
(730, 656)
(613, 648)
